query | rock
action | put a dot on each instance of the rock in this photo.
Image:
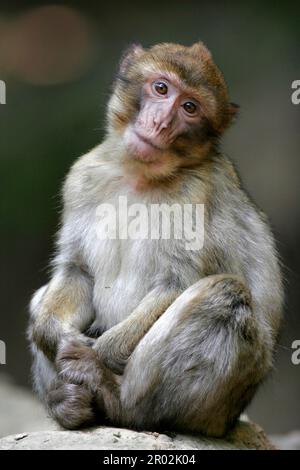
(290, 441)
(246, 435)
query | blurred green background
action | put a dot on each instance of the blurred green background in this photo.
(58, 62)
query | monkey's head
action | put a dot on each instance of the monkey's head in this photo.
(170, 106)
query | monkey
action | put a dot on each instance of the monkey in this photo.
(143, 333)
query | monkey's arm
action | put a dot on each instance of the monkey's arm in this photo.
(116, 345)
(62, 309)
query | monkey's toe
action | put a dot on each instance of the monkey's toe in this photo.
(71, 405)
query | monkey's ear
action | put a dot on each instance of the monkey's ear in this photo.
(231, 114)
(129, 56)
(201, 50)
(233, 110)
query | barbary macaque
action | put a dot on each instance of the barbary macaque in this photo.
(145, 333)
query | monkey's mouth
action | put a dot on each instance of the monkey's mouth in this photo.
(145, 139)
(141, 147)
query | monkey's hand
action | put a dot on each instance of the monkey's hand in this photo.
(112, 351)
(78, 364)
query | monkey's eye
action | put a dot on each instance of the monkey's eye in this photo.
(190, 107)
(161, 88)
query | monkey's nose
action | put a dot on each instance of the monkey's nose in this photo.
(163, 125)
(161, 122)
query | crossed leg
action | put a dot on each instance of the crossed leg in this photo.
(199, 365)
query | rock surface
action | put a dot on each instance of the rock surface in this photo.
(20, 411)
(245, 436)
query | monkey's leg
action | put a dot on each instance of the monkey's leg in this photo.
(200, 363)
(60, 311)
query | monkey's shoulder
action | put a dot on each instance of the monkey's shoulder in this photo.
(226, 184)
(224, 173)
(230, 201)
(88, 177)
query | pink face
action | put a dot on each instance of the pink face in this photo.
(167, 110)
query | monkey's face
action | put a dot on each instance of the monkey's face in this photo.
(170, 103)
(168, 109)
